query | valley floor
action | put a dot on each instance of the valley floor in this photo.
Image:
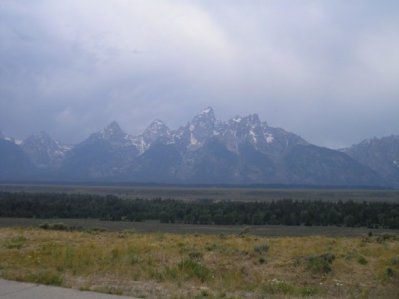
(167, 265)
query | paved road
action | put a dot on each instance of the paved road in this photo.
(21, 290)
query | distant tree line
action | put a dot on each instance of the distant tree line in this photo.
(280, 212)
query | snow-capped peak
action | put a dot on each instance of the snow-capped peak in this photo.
(205, 115)
(113, 134)
(158, 122)
(207, 110)
(156, 129)
(156, 126)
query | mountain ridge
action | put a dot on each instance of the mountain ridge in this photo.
(379, 154)
(240, 150)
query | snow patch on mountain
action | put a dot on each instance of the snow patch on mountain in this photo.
(269, 137)
(253, 135)
(207, 110)
(156, 131)
(236, 119)
(193, 140)
(139, 143)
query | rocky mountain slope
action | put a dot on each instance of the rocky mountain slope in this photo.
(43, 151)
(14, 163)
(379, 154)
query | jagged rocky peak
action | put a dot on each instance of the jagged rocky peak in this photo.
(112, 134)
(250, 129)
(112, 130)
(157, 129)
(39, 140)
(201, 127)
(207, 111)
(206, 116)
(43, 150)
(245, 125)
(376, 141)
(251, 120)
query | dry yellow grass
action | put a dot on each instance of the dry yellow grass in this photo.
(156, 265)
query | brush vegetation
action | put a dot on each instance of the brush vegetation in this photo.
(164, 265)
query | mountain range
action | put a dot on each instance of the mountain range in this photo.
(241, 150)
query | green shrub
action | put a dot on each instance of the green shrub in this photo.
(361, 260)
(309, 291)
(44, 225)
(210, 247)
(262, 248)
(195, 255)
(261, 261)
(193, 269)
(389, 272)
(321, 263)
(395, 261)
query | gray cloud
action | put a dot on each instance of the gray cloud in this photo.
(324, 69)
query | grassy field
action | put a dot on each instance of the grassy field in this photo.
(217, 194)
(165, 265)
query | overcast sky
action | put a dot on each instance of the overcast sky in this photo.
(326, 70)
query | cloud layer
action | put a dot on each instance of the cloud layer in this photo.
(324, 69)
